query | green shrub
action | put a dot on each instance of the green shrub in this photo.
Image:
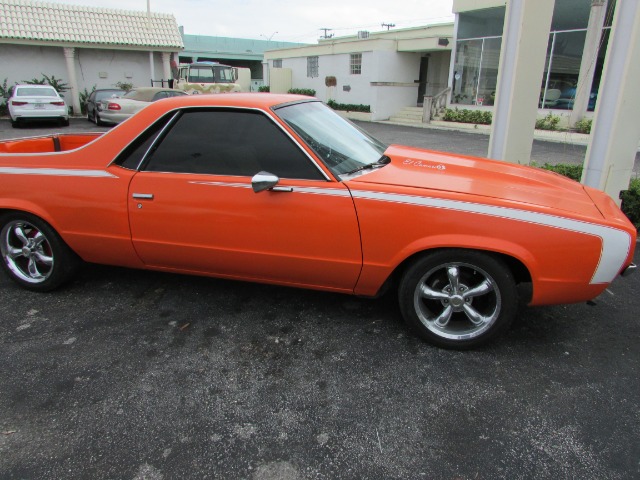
(481, 117)
(124, 86)
(264, 88)
(303, 91)
(349, 107)
(550, 122)
(5, 90)
(570, 170)
(84, 96)
(631, 202)
(56, 83)
(584, 125)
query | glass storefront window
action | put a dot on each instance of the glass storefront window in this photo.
(476, 71)
(477, 55)
(562, 69)
(465, 75)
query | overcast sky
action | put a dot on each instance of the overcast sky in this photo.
(287, 20)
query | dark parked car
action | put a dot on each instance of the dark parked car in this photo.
(93, 113)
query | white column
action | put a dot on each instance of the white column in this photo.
(616, 131)
(70, 57)
(166, 66)
(452, 59)
(589, 57)
(524, 48)
(152, 70)
(265, 72)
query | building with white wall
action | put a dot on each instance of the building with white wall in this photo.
(85, 46)
(385, 70)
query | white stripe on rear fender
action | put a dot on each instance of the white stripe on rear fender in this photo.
(56, 172)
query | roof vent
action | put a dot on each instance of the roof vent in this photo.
(363, 34)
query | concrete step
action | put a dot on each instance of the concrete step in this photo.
(408, 115)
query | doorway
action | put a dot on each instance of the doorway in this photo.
(422, 79)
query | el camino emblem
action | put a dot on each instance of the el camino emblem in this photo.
(421, 164)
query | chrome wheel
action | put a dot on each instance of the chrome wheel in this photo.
(33, 254)
(457, 298)
(457, 301)
(26, 252)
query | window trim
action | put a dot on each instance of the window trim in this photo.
(267, 113)
(352, 56)
(174, 114)
(310, 70)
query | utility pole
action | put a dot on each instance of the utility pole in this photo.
(388, 25)
(325, 36)
(151, 67)
(269, 37)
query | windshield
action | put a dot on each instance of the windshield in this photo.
(341, 145)
(223, 74)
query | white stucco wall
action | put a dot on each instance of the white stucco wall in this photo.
(398, 71)
(337, 66)
(28, 62)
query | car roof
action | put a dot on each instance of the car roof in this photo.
(246, 100)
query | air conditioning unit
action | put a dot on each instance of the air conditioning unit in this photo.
(363, 34)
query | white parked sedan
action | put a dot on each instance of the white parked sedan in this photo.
(36, 102)
(116, 110)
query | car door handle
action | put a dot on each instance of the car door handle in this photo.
(281, 189)
(143, 196)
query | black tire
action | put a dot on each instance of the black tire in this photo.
(99, 122)
(14, 123)
(64, 122)
(33, 254)
(458, 299)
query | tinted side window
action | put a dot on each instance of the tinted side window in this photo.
(132, 156)
(224, 142)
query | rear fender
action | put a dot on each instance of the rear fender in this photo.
(26, 206)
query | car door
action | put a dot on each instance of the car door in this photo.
(192, 206)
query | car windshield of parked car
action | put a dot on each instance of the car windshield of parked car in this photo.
(340, 144)
(36, 92)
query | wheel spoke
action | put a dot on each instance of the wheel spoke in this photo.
(474, 316)
(42, 258)
(443, 319)
(33, 269)
(454, 278)
(19, 232)
(14, 253)
(484, 287)
(431, 294)
(38, 239)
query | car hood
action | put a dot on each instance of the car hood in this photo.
(437, 171)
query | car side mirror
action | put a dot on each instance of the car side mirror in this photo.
(263, 181)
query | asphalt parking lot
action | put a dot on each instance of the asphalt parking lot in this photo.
(142, 375)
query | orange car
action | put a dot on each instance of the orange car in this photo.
(280, 189)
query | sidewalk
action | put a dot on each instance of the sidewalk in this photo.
(572, 138)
